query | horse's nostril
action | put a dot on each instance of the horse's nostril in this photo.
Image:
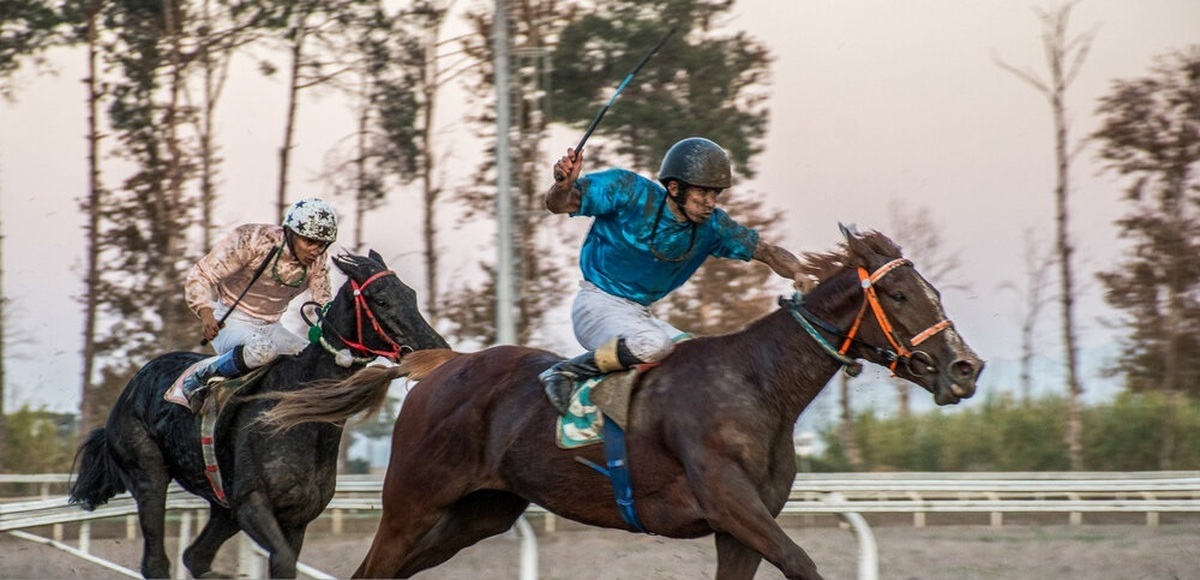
(963, 370)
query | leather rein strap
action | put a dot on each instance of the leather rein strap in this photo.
(871, 298)
(361, 312)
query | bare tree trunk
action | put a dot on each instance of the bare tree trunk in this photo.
(1059, 49)
(1056, 46)
(430, 190)
(846, 428)
(207, 149)
(87, 404)
(3, 341)
(174, 329)
(1038, 266)
(903, 399)
(360, 169)
(289, 126)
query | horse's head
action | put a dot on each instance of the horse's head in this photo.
(375, 313)
(898, 320)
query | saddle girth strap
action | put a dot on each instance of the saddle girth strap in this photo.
(210, 411)
(208, 425)
(618, 473)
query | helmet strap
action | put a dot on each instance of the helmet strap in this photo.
(289, 239)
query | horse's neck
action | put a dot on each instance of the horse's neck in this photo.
(313, 363)
(793, 366)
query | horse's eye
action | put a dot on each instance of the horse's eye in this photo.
(897, 296)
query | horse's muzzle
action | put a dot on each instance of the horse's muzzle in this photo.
(961, 376)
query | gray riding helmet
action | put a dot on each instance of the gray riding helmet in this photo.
(697, 161)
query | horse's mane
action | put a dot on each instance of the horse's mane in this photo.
(823, 265)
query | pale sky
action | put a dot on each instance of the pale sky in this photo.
(872, 101)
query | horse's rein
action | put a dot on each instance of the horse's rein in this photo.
(361, 307)
(870, 297)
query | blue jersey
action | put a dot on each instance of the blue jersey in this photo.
(637, 249)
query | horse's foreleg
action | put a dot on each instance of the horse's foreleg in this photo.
(733, 505)
(257, 519)
(734, 560)
(220, 527)
(477, 516)
(399, 529)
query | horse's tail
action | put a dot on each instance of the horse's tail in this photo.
(99, 477)
(336, 401)
(417, 365)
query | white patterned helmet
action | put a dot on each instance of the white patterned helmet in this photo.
(312, 218)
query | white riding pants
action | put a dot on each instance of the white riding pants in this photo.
(598, 317)
(262, 341)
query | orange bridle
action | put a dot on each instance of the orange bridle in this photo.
(870, 297)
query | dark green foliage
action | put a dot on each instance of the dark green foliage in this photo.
(27, 27)
(700, 83)
(1134, 432)
(999, 434)
(1149, 135)
(39, 441)
(141, 290)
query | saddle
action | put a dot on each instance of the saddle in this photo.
(597, 399)
(220, 389)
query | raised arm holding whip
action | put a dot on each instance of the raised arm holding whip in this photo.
(624, 83)
(648, 238)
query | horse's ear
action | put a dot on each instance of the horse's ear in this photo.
(375, 256)
(857, 252)
(343, 263)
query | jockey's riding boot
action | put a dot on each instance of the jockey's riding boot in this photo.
(223, 365)
(562, 380)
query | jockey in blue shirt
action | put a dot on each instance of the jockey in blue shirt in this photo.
(647, 238)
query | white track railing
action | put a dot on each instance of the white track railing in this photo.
(849, 495)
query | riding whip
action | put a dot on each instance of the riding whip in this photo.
(257, 273)
(629, 77)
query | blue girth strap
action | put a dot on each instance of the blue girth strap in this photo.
(618, 473)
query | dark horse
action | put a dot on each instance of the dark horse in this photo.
(276, 482)
(709, 431)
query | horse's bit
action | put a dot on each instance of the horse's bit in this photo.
(360, 308)
(867, 281)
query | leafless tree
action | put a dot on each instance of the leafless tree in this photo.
(3, 360)
(1065, 55)
(1034, 296)
(846, 426)
(92, 208)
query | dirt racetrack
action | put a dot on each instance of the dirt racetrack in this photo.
(1117, 551)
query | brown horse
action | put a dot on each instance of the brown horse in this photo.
(710, 429)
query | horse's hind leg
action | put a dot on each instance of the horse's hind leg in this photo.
(199, 556)
(143, 463)
(479, 515)
(734, 560)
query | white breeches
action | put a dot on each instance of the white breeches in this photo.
(262, 341)
(598, 317)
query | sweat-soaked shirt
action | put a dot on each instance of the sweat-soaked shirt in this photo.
(228, 268)
(637, 249)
